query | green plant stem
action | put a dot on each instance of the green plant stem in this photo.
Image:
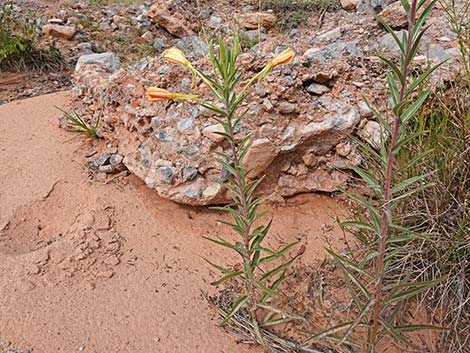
(239, 178)
(384, 234)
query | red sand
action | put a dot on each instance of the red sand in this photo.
(95, 267)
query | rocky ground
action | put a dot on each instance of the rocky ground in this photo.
(301, 116)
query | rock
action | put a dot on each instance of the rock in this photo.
(55, 21)
(286, 108)
(185, 124)
(214, 22)
(189, 173)
(106, 60)
(371, 133)
(372, 7)
(165, 174)
(59, 31)
(159, 43)
(118, 19)
(364, 109)
(388, 43)
(395, 15)
(253, 20)
(330, 52)
(341, 121)
(193, 46)
(147, 36)
(331, 35)
(212, 132)
(349, 4)
(160, 15)
(259, 156)
(437, 54)
(317, 89)
(252, 36)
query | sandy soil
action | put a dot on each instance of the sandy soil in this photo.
(110, 267)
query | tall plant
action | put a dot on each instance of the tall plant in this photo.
(223, 83)
(376, 290)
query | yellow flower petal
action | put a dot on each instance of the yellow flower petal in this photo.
(283, 58)
(175, 56)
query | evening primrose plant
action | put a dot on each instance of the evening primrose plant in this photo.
(258, 285)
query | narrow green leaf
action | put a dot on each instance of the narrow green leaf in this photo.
(276, 270)
(227, 277)
(413, 328)
(235, 307)
(396, 334)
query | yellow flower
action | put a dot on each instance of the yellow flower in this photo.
(175, 56)
(155, 94)
(284, 58)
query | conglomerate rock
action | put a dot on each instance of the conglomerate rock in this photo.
(300, 116)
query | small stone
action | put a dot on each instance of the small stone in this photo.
(55, 21)
(343, 148)
(253, 36)
(331, 35)
(160, 14)
(118, 19)
(148, 36)
(214, 22)
(268, 106)
(372, 133)
(349, 4)
(102, 160)
(166, 174)
(364, 109)
(192, 194)
(193, 46)
(395, 15)
(159, 43)
(59, 31)
(317, 89)
(116, 159)
(211, 191)
(437, 54)
(253, 20)
(189, 173)
(185, 124)
(91, 153)
(107, 60)
(212, 132)
(286, 108)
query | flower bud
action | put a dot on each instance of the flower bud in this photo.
(175, 56)
(155, 94)
(283, 58)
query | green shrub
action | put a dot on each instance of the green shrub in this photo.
(379, 287)
(16, 35)
(258, 284)
(292, 13)
(18, 50)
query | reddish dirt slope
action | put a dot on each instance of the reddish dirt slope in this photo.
(95, 267)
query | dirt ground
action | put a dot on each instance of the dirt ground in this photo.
(109, 266)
